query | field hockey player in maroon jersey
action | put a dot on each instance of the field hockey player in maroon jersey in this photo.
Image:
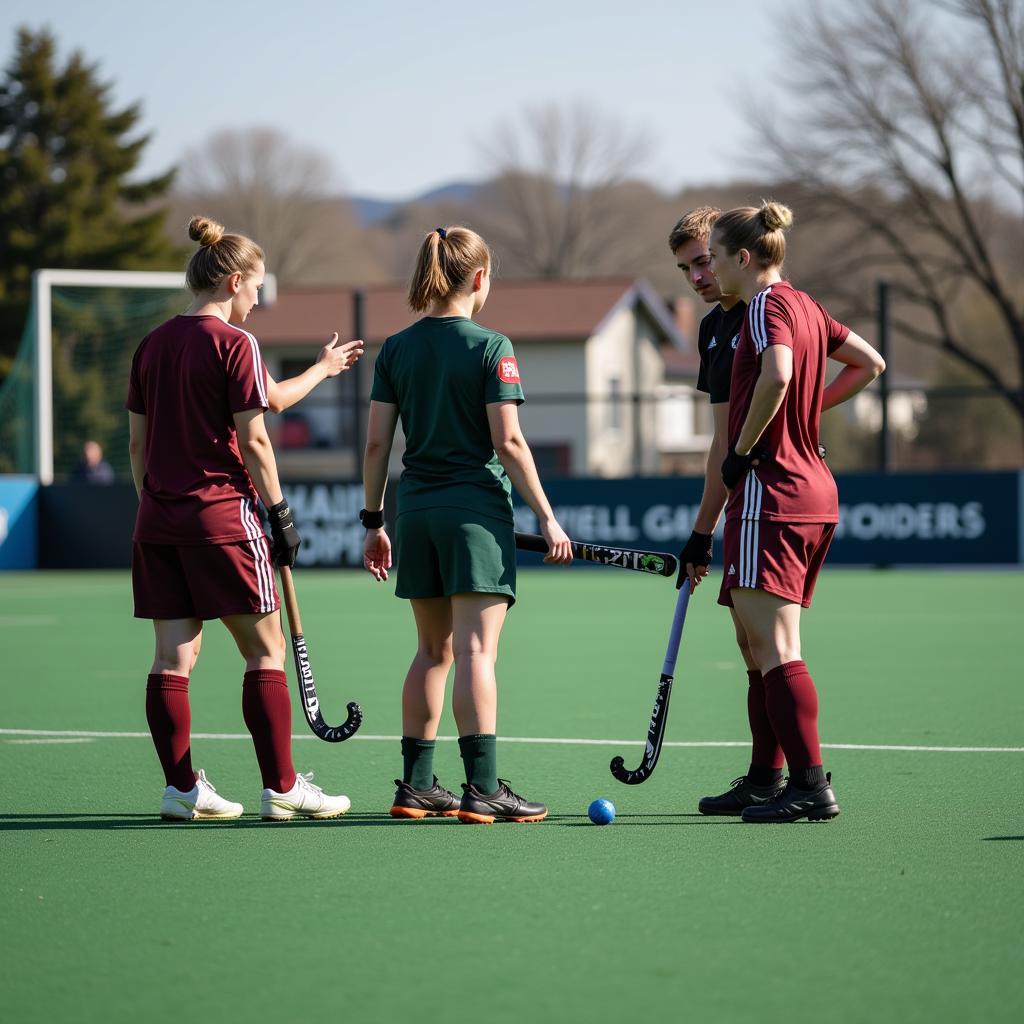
(718, 339)
(783, 504)
(201, 459)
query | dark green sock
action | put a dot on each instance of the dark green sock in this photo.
(480, 757)
(418, 759)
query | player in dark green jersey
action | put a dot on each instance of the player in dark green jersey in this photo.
(455, 386)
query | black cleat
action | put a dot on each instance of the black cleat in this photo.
(743, 794)
(503, 805)
(813, 804)
(424, 803)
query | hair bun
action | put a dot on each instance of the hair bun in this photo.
(775, 216)
(205, 231)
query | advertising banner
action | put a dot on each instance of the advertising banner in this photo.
(895, 519)
(327, 518)
(18, 522)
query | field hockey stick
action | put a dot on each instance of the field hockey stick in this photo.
(657, 562)
(656, 730)
(307, 685)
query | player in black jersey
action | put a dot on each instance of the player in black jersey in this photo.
(716, 343)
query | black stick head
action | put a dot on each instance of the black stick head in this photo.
(339, 733)
(630, 778)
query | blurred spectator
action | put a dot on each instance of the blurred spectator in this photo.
(93, 469)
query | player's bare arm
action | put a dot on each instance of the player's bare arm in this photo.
(137, 426)
(863, 364)
(715, 493)
(769, 391)
(380, 435)
(515, 456)
(332, 360)
(258, 455)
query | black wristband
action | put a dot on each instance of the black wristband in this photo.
(372, 520)
(285, 539)
(696, 551)
(279, 512)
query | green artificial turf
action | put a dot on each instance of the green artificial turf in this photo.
(908, 907)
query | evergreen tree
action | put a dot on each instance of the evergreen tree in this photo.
(67, 198)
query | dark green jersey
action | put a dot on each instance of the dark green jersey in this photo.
(442, 372)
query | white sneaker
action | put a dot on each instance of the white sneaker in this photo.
(201, 801)
(302, 800)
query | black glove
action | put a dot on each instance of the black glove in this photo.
(736, 467)
(696, 551)
(285, 539)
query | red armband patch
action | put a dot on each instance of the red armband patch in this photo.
(508, 370)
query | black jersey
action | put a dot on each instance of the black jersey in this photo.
(716, 343)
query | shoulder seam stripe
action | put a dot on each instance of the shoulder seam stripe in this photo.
(257, 358)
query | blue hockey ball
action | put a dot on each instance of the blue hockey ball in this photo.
(602, 812)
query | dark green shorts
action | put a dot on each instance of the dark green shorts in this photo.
(445, 551)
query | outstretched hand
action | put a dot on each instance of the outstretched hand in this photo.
(338, 358)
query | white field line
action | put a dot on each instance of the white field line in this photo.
(552, 741)
(53, 739)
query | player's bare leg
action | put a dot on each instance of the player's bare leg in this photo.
(419, 794)
(477, 620)
(423, 691)
(476, 627)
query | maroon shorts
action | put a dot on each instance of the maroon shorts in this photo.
(780, 558)
(206, 581)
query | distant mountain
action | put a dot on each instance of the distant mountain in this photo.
(374, 211)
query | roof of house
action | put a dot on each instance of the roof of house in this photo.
(679, 363)
(524, 310)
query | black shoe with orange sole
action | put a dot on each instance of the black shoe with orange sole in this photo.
(502, 805)
(436, 802)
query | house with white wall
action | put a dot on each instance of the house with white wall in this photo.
(592, 354)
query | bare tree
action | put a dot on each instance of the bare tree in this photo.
(908, 123)
(285, 195)
(559, 204)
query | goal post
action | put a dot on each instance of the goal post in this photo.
(44, 283)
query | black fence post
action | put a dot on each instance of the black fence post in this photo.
(883, 381)
(358, 328)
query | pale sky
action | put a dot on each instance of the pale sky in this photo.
(398, 96)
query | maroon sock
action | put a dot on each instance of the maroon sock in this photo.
(267, 710)
(792, 704)
(766, 752)
(170, 722)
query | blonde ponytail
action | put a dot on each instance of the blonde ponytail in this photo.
(446, 259)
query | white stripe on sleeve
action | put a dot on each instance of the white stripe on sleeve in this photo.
(755, 320)
(257, 362)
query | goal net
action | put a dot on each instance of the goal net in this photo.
(69, 381)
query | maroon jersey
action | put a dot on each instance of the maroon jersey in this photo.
(793, 485)
(188, 378)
